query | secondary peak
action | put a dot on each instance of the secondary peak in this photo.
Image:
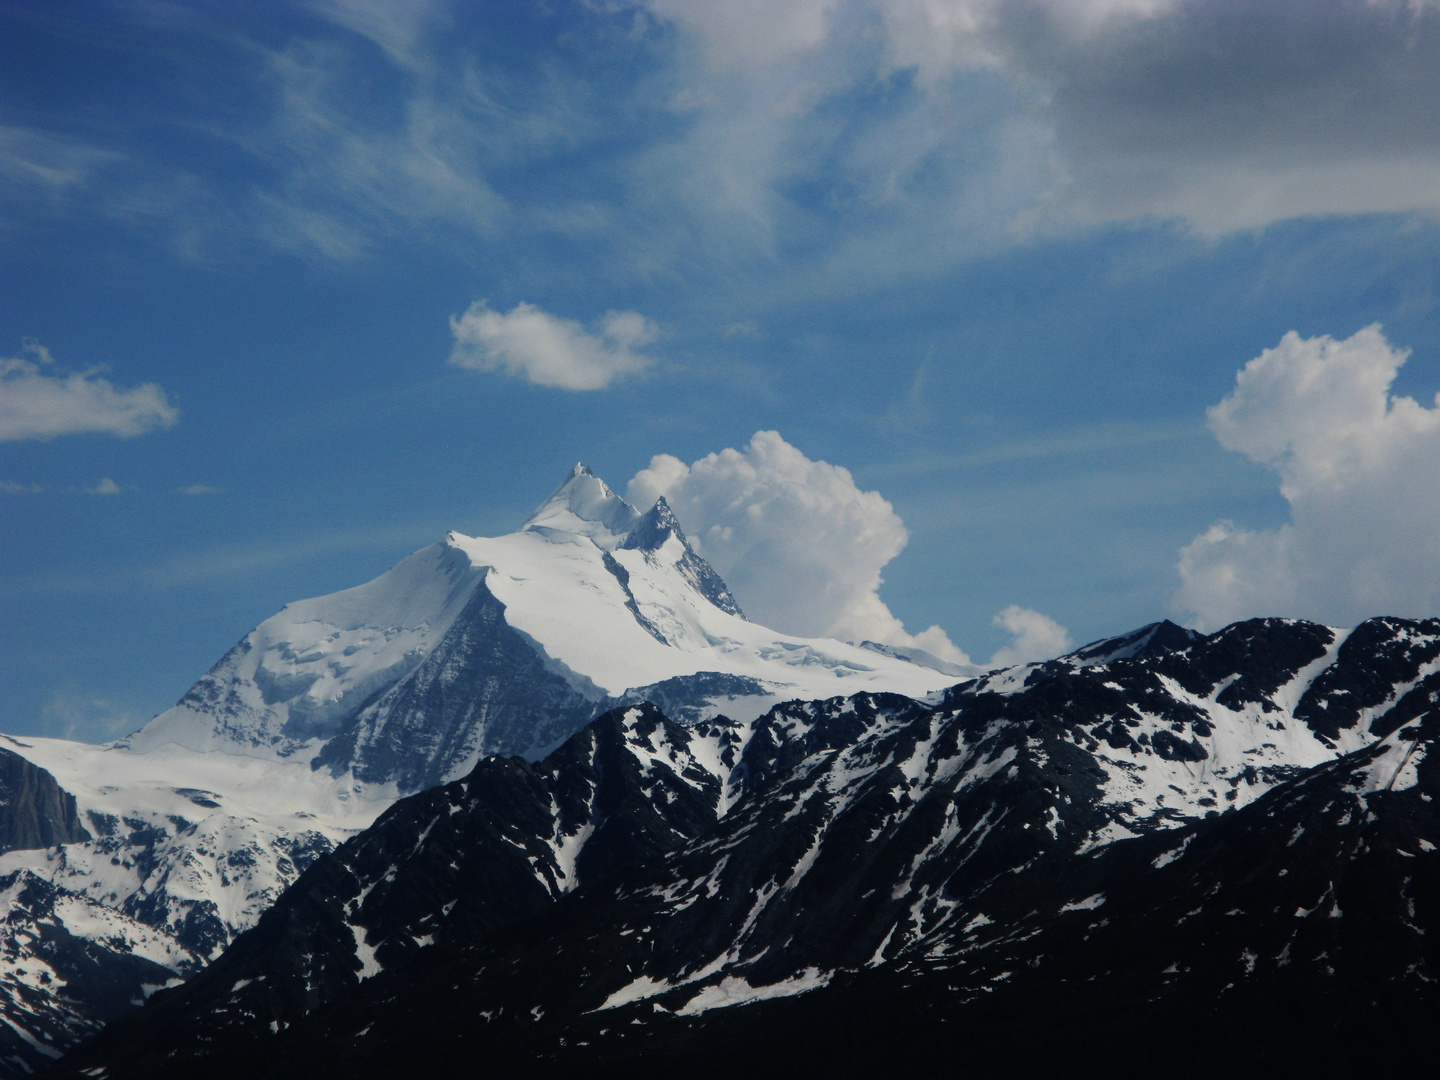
(586, 506)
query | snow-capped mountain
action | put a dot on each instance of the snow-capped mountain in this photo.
(327, 712)
(508, 644)
(1194, 832)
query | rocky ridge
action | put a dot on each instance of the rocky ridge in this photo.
(1072, 834)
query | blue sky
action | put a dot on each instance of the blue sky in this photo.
(995, 259)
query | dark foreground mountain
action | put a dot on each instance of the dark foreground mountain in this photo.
(1220, 856)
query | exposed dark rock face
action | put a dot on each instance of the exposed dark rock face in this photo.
(656, 526)
(487, 687)
(1258, 657)
(35, 812)
(1038, 869)
(1380, 660)
(457, 866)
(1154, 639)
(688, 698)
(484, 681)
(622, 576)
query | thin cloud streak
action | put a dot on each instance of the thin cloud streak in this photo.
(216, 564)
(1096, 438)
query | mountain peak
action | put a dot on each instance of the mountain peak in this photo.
(655, 526)
(586, 506)
(650, 533)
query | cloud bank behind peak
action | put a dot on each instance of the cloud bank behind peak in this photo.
(803, 547)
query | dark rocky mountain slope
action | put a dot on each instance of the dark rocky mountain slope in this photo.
(1164, 860)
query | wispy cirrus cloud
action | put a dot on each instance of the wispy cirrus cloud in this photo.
(183, 569)
(1223, 115)
(74, 714)
(854, 140)
(37, 164)
(39, 401)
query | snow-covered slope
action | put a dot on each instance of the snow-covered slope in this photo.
(183, 850)
(197, 844)
(67, 964)
(325, 714)
(506, 645)
(302, 673)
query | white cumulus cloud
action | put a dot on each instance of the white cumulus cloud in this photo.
(803, 547)
(1360, 469)
(1037, 637)
(37, 401)
(548, 350)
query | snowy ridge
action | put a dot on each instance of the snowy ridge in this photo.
(198, 844)
(505, 842)
(585, 506)
(186, 850)
(595, 597)
(297, 676)
(1155, 639)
